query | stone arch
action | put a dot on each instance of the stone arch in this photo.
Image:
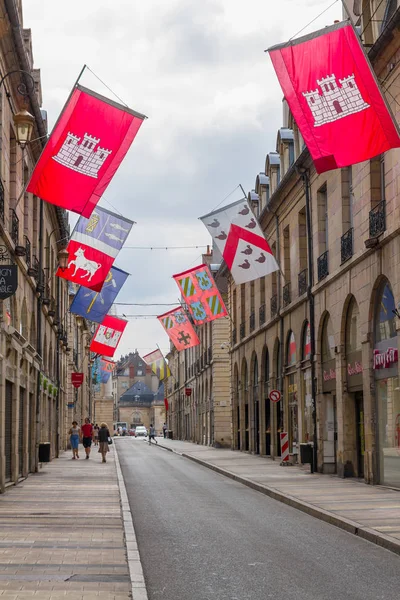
(326, 344)
(265, 367)
(377, 290)
(305, 350)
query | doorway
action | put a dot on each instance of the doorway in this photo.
(360, 432)
(257, 427)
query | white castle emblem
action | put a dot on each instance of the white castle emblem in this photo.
(107, 336)
(82, 157)
(335, 102)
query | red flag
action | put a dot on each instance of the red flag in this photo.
(166, 404)
(107, 336)
(84, 151)
(201, 294)
(179, 329)
(334, 97)
(93, 247)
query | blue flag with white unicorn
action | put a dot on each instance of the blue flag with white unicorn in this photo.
(96, 305)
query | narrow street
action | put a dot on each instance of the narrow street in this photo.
(202, 536)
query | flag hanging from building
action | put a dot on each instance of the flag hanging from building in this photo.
(84, 150)
(179, 329)
(95, 305)
(158, 364)
(107, 336)
(201, 295)
(239, 237)
(93, 247)
(106, 369)
(334, 97)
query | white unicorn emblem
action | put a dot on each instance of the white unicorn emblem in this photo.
(81, 262)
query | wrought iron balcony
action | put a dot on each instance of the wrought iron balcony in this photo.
(377, 220)
(346, 245)
(242, 330)
(261, 314)
(322, 264)
(234, 336)
(274, 306)
(252, 321)
(14, 226)
(27, 251)
(302, 277)
(1, 202)
(287, 297)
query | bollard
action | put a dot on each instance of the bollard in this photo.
(284, 448)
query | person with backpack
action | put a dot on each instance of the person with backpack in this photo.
(104, 436)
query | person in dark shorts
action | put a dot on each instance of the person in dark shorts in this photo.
(87, 435)
(152, 434)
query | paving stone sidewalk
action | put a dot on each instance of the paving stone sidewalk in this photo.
(372, 512)
(62, 535)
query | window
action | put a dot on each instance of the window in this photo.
(377, 180)
(322, 199)
(347, 198)
(385, 321)
(140, 372)
(291, 351)
(302, 240)
(353, 337)
(328, 340)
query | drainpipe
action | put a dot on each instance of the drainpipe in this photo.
(310, 296)
(39, 289)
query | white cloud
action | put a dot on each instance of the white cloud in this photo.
(199, 71)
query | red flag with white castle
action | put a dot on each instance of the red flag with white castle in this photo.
(334, 97)
(179, 329)
(84, 150)
(239, 237)
(108, 336)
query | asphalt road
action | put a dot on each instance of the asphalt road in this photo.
(202, 536)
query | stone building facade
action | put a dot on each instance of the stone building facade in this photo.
(203, 371)
(349, 301)
(36, 350)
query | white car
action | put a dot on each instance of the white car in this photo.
(140, 431)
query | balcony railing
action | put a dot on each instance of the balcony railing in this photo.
(242, 330)
(205, 358)
(14, 226)
(286, 295)
(274, 306)
(1, 202)
(252, 321)
(209, 354)
(322, 264)
(27, 251)
(234, 336)
(261, 314)
(346, 245)
(302, 277)
(377, 220)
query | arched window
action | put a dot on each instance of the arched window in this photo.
(385, 319)
(328, 340)
(23, 326)
(353, 337)
(255, 372)
(266, 365)
(291, 351)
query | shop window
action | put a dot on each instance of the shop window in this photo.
(385, 321)
(353, 337)
(291, 351)
(328, 340)
(306, 341)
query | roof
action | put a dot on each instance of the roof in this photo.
(253, 196)
(286, 134)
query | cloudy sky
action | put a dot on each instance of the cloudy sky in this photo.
(198, 70)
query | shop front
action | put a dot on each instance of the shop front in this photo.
(292, 397)
(306, 389)
(387, 388)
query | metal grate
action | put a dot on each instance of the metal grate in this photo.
(14, 226)
(322, 264)
(261, 314)
(377, 220)
(242, 330)
(286, 294)
(346, 245)
(274, 306)
(302, 277)
(252, 321)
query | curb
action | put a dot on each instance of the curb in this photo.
(138, 585)
(319, 513)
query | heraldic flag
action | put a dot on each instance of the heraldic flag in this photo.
(179, 329)
(84, 150)
(334, 98)
(158, 364)
(240, 239)
(201, 294)
(95, 305)
(93, 247)
(106, 368)
(107, 336)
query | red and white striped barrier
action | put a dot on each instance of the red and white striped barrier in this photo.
(284, 447)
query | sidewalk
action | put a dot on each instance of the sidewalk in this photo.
(371, 512)
(62, 533)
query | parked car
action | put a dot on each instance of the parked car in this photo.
(132, 431)
(140, 431)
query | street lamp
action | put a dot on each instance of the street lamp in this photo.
(23, 121)
(63, 256)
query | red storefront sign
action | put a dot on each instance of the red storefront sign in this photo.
(188, 391)
(77, 379)
(384, 359)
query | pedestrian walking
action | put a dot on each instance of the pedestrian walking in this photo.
(87, 436)
(164, 429)
(152, 434)
(96, 435)
(104, 436)
(74, 433)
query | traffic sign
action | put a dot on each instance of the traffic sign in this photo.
(275, 395)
